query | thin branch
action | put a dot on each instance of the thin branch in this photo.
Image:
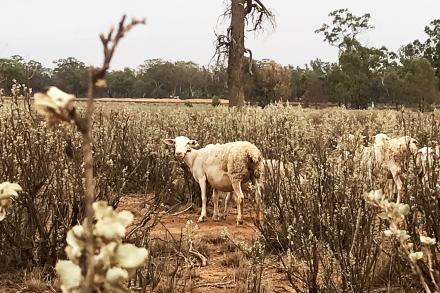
(228, 284)
(109, 43)
(183, 211)
(250, 60)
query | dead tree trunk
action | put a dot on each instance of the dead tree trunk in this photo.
(236, 53)
(231, 44)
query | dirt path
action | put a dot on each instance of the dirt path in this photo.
(226, 267)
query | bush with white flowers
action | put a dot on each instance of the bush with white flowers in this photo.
(114, 261)
(395, 214)
(8, 191)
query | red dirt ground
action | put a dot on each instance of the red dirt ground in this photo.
(215, 277)
(215, 272)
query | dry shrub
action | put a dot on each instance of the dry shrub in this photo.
(333, 239)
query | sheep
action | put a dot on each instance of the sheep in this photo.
(389, 154)
(226, 167)
(273, 167)
(425, 160)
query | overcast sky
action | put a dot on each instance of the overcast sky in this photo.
(45, 30)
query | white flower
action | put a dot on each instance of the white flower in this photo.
(129, 256)
(104, 258)
(414, 256)
(125, 218)
(55, 105)
(427, 240)
(70, 275)
(403, 209)
(8, 191)
(388, 233)
(110, 224)
(108, 228)
(115, 275)
(102, 210)
(374, 195)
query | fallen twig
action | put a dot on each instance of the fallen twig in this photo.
(183, 211)
(228, 284)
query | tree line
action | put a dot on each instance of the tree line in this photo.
(362, 75)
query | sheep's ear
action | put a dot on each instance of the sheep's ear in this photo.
(193, 143)
(169, 141)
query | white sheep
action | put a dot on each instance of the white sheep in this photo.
(226, 167)
(425, 158)
(272, 167)
(390, 155)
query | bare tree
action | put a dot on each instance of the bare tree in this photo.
(242, 13)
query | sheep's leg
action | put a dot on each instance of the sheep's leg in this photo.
(225, 211)
(239, 199)
(202, 183)
(397, 181)
(258, 199)
(389, 188)
(399, 187)
(215, 215)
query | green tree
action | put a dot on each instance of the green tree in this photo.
(356, 80)
(421, 82)
(121, 83)
(11, 69)
(315, 88)
(70, 75)
(393, 83)
(271, 82)
(344, 29)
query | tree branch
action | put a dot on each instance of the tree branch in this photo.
(250, 60)
(109, 43)
(259, 12)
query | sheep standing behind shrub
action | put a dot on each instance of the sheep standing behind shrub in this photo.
(226, 167)
(390, 155)
(273, 169)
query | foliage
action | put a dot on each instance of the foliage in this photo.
(215, 101)
(115, 261)
(8, 192)
(130, 158)
(361, 77)
(395, 213)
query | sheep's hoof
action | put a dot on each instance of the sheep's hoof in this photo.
(239, 221)
(216, 218)
(201, 219)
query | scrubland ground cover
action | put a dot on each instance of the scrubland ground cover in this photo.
(319, 234)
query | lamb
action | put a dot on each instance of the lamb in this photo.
(226, 167)
(390, 155)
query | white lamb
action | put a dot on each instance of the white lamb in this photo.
(226, 167)
(392, 156)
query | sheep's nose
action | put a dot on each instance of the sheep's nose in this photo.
(179, 155)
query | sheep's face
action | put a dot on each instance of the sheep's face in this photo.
(413, 146)
(411, 143)
(182, 145)
(381, 138)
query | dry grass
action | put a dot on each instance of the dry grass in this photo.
(314, 223)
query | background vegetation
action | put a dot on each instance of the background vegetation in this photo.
(362, 75)
(339, 246)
